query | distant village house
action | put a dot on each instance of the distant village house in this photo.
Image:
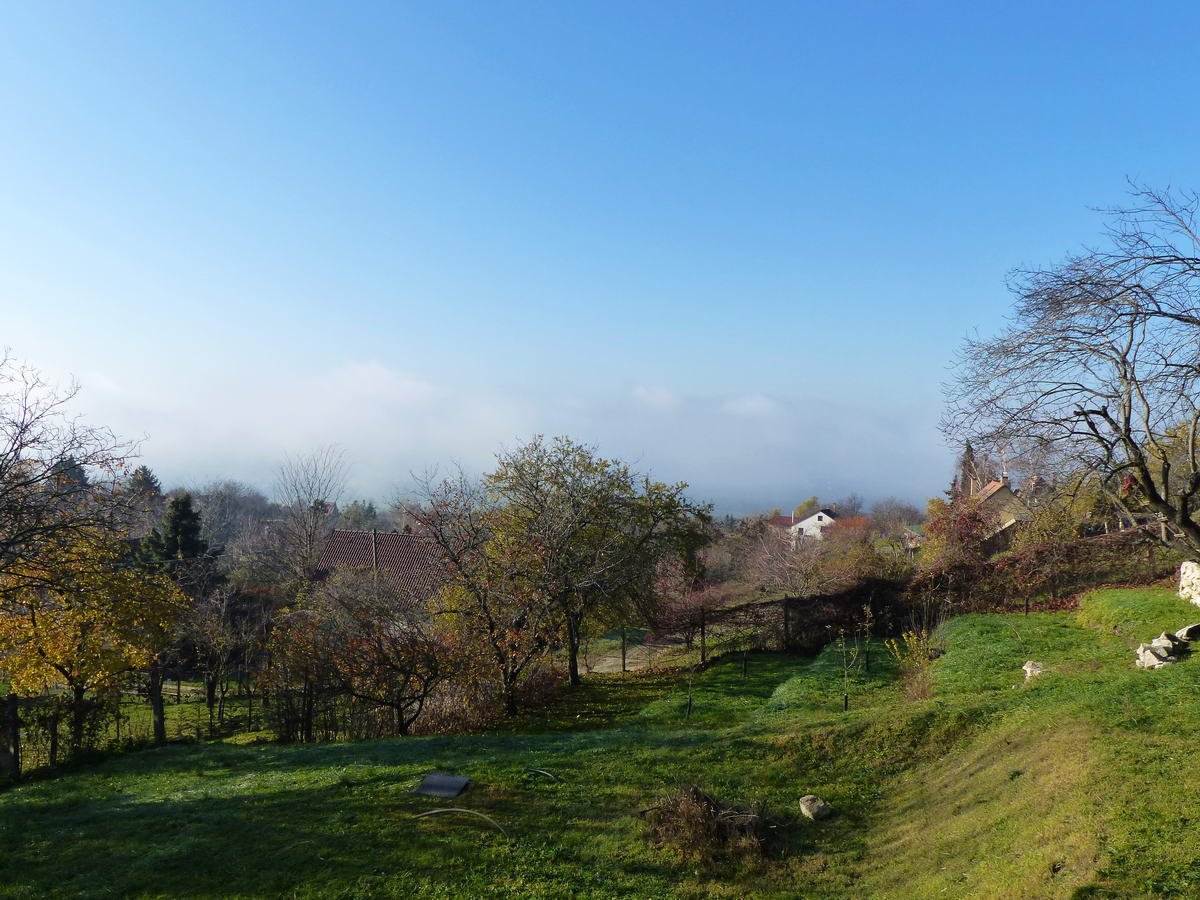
(812, 525)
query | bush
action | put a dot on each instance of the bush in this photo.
(913, 652)
(1045, 575)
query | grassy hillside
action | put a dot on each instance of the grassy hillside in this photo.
(1081, 784)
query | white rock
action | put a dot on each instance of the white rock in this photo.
(814, 807)
(1189, 581)
(1152, 657)
(1168, 642)
(1033, 669)
(1189, 632)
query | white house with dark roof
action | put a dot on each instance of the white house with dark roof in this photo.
(812, 525)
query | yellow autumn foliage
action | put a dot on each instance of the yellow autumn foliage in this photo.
(84, 617)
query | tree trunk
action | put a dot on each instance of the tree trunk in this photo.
(155, 690)
(78, 719)
(14, 735)
(210, 700)
(510, 700)
(623, 669)
(573, 641)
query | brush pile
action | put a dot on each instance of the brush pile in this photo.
(702, 828)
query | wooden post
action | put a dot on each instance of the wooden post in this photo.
(703, 636)
(623, 669)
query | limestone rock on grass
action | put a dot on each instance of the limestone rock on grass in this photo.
(1169, 642)
(1032, 669)
(814, 807)
(1151, 657)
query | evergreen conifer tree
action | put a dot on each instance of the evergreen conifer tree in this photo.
(142, 481)
(179, 537)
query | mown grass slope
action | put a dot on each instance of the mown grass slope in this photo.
(1082, 783)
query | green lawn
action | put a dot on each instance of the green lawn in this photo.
(1082, 783)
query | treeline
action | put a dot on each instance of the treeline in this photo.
(111, 589)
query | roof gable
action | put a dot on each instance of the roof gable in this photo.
(824, 513)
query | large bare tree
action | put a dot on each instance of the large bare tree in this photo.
(1097, 369)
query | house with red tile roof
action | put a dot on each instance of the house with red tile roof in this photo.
(408, 560)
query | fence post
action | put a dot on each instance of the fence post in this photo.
(623, 669)
(703, 634)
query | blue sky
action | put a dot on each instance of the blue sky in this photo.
(737, 243)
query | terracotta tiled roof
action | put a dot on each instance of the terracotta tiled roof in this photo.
(409, 558)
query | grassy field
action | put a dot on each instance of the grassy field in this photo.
(1082, 783)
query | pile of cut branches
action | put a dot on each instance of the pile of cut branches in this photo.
(700, 827)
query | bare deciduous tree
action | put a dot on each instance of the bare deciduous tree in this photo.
(47, 459)
(307, 488)
(793, 569)
(1099, 367)
(891, 515)
(227, 508)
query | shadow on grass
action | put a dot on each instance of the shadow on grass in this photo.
(336, 820)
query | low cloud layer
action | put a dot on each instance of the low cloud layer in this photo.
(744, 452)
